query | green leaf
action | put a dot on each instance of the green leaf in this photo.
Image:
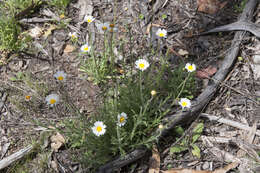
(198, 128)
(197, 132)
(13, 78)
(195, 151)
(19, 75)
(141, 16)
(179, 130)
(195, 137)
(164, 16)
(177, 149)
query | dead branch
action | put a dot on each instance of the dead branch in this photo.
(14, 157)
(237, 26)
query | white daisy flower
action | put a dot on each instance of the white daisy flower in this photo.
(60, 75)
(185, 103)
(190, 67)
(142, 64)
(52, 99)
(85, 48)
(99, 128)
(161, 33)
(89, 19)
(103, 27)
(121, 118)
(73, 35)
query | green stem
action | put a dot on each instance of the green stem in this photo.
(183, 85)
(119, 141)
(140, 85)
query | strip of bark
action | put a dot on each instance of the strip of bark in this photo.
(202, 100)
(14, 157)
(237, 26)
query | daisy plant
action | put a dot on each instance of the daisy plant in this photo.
(73, 36)
(85, 48)
(52, 99)
(103, 27)
(60, 76)
(89, 18)
(28, 97)
(185, 103)
(142, 64)
(121, 119)
(133, 104)
(99, 128)
(190, 67)
(161, 33)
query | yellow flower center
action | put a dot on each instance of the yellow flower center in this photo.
(184, 104)
(122, 119)
(141, 65)
(99, 128)
(60, 78)
(89, 20)
(104, 28)
(27, 97)
(190, 67)
(86, 48)
(112, 25)
(52, 101)
(73, 36)
(161, 34)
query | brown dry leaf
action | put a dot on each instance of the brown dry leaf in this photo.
(69, 48)
(210, 6)
(57, 141)
(148, 29)
(154, 162)
(221, 170)
(36, 32)
(183, 52)
(206, 72)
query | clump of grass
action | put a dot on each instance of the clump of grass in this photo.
(136, 95)
(101, 136)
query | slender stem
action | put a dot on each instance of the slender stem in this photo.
(183, 84)
(140, 85)
(119, 141)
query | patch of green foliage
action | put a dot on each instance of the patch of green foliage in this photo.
(131, 95)
(187, 142)
(240, 7)
(9, 33)
(13, 7)
(61, 5)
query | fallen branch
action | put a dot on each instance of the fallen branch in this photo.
(199, 104)
(237, 26)
(229, 122)
(14, 157)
